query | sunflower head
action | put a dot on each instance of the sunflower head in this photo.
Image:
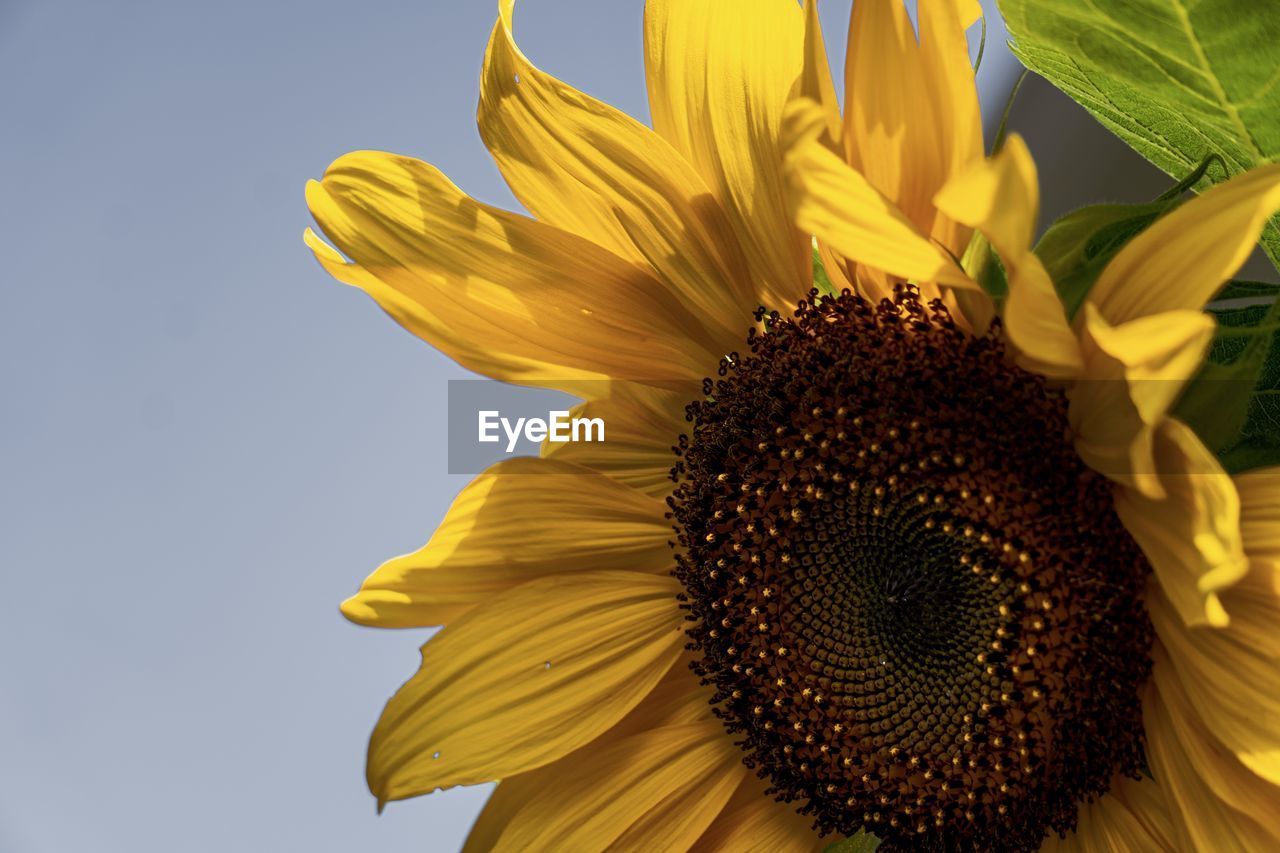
(916, 604)
(948, 567)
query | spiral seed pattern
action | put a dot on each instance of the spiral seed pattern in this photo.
(918, 609)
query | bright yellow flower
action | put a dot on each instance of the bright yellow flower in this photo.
(925, 589)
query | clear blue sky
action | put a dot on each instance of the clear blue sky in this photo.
(205, 443)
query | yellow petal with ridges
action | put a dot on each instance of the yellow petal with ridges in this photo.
(1254, 604)
(1001, 198)
(1217, 768)
(1260, 512)
(952, 98)
(504, 295)
(1132, 817)
(755, 822)
(1191, 536)
(1186, 256)
(678, 700)
(882, 77)
(816, 85)
(526, 678)
(1230, 676)
(1228, 685)
(719, 73)
(657, 790)
(642, 425)
(911, 115)
(839, 206)
(587, 168)
(815, 81)
(520, 519)
(1201, 819)
(1132, 376)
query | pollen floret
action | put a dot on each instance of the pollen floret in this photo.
(918, 609)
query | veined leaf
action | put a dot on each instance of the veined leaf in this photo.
(1176, 79)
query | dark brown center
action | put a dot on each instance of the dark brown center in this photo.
(917, 606)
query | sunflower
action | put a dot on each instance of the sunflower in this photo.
(945, 571)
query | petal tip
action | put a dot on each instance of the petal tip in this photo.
(1215, 614)
(356, 610)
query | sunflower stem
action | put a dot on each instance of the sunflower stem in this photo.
(1004, 119)
(982, 46)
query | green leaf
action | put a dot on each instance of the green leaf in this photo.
(982, 262)
(1175, 79)
(1073, 253)
(1062, 248)
(1262, 291)
(1078, 246)
(1250, 455)
(863, 842)
(1233, 404)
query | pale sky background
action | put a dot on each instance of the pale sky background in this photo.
(205, 443)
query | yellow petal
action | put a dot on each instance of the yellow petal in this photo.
(583, 166)
(719, 73)
(1254, 602)
(838, 269)
(643, 424)
(503, 295)
(1132, 376)
(1263, 762)
(1130, 818)
(1230, 675)
(911, 107)
(1231, 687)
(524, 679)
(1186, 256)
(815, 79)
(506, 801)
(656, 790)
(520, 519)
(754, 822)
(952, 95)
(843, 210)
(1202, 819)
(1001, 198)
(678, 700)
(1260, 512)
(1217, 769)
(1191, 536)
